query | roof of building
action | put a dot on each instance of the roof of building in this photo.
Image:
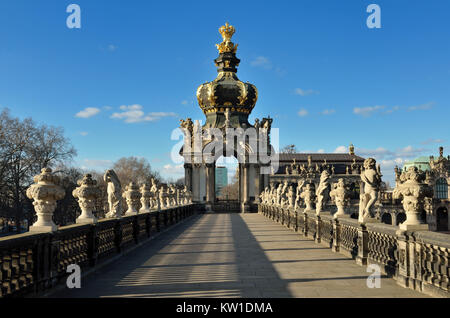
(421, 159)
(330, 157)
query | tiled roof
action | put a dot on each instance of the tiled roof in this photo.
(319, 157)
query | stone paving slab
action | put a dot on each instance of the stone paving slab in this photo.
(233, 255)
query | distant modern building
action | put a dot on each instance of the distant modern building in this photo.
(221, 179)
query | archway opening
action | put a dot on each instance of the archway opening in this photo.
(401, 217)
(227, 179)
(442, 219)
(386, 218)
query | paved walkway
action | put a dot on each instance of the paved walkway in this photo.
(233, 255)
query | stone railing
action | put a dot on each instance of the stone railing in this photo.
(34, 262)
(415, 259)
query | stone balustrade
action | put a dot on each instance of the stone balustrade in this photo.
(36, 261)
(33, 262)
(415, 259)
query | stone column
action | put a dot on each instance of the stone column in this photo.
(210, 184)
(258, 184)
(245, 184)
(188, 176)
(45, 192)
(86, 194)
(196, 183)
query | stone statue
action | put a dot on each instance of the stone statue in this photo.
(132, 197)
(371, 178)
(414, 192)
(287, 170)
(279, 193)
(154, 194)
(290, 197)
(298, 193)
(44, 193)
(86, 193)
(114, 190)
(309, 196)
(172, 195)
(162, 197)
(340, 194)
(332, 169)
(323, 191)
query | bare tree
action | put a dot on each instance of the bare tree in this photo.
(134, 169)
(26, 148)
(288, 149)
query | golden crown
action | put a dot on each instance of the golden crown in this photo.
(227, 32)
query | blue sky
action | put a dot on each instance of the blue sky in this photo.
(325, 77)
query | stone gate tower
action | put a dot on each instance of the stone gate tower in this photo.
(227, 103)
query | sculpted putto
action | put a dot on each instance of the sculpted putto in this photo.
(298, 194)
(114, 190)
(371, 177)
(309, 196)
(323, 191)
(340, 195)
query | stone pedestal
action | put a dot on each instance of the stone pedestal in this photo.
(336, 235)
(361, 258)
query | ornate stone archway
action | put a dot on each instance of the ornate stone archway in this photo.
(227, 102)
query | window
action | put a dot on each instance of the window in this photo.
(441, 189)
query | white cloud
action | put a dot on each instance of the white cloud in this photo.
(341, 149)
(112, 47)
(96, 164)
(184, 102)
(107, 107)
(84, 133)
(432, 141)
(328, 112)
(305, 92)
(262, 61)
(421, 107)
(170, 171)
(302, 112)
(87, 112)
(367, 111)
(135, 114)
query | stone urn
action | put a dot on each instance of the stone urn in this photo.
(132, 197)
(340, 195)
(44, 193)
(146, 196)
(413, 191)
(86, 193)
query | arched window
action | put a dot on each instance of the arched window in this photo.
(441, 189)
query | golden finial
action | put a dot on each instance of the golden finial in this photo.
(227, 46)
(351, 149)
